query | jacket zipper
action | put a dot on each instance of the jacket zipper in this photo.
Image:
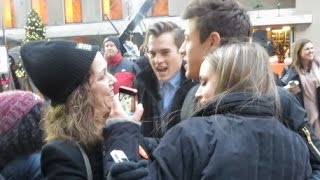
(307, 133)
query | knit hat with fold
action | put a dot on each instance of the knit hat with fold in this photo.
(20, 133)
(113, 39)
(57, 68)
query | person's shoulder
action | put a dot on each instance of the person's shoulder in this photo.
(60, 144)
(60, 148)
(194, 125)
(58, 157)
(127, 61)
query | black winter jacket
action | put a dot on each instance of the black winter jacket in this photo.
(148, 94)
(63, 160)
(293, 115)
(241, 140)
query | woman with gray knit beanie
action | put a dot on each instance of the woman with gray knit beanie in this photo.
(20, 135)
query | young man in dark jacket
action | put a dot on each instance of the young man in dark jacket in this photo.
(162, 85)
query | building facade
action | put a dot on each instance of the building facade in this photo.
(87, 20)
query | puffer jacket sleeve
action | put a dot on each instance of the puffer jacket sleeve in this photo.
(183, 152)
(121, 135)
(180, 154)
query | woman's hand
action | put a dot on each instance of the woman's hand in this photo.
(117, 111)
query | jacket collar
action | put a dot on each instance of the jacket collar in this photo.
(242, 103)
(147, 75)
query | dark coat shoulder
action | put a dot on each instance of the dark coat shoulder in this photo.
(63, 160)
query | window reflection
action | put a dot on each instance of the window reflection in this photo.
(112, 8)
(160, 8)
(8, 14)
(42, 9)
(73, 11)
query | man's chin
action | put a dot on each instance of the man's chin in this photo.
(190, 75)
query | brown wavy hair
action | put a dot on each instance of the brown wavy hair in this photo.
(74, 120)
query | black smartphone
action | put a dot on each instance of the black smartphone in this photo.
(128, 98)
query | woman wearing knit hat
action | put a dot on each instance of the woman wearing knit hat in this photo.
(74, 77)
(20, 135)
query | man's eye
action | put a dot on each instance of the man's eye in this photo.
(165, 53)
(203, 83)
(152, 54)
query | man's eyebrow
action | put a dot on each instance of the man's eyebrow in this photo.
(165, 49)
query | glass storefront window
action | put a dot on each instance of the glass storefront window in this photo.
(281, 37)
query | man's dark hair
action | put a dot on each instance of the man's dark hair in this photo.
(222, 16)
(162, 27)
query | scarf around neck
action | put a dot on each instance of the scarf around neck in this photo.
(115, 60)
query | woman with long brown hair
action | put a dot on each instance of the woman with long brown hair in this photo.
(302, 79)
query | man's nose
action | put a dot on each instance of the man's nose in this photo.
(158, 58)
(182, 50)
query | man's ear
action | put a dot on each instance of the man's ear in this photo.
(214, 40)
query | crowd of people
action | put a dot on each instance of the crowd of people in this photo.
(208, 106)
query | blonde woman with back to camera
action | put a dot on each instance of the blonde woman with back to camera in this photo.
(235, 133)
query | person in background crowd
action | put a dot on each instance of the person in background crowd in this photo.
(123, 69)
(302, 79)
(75, 78)
(162, 86)
(20, 135)
(236, 133)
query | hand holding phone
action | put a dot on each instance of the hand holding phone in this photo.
(293, 87)
(128, 98)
